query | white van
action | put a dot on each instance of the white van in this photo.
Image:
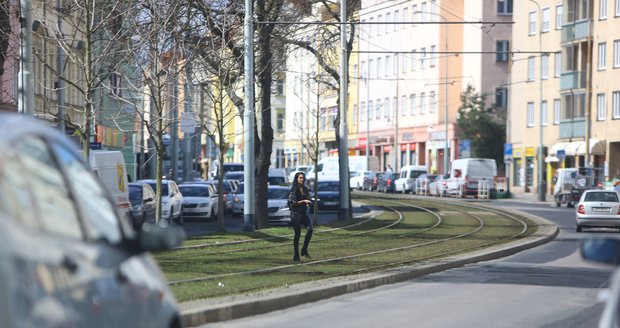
(466, 173)
(109, 167)
(406, 180)
(328, 168)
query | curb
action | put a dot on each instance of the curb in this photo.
(281, 298)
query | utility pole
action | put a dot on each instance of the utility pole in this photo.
(60, 82)
(248, 119)
(25, 100)
(343, 147)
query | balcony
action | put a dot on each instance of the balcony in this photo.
(573, 80)
(575, 31)
(573, 129)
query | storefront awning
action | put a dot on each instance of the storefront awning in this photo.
(597, 147)
(558, 146)
(572, 149)
(551, 159)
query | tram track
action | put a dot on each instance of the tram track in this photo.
(413, 243)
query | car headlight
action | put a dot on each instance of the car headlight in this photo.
(236, 200)
(203, 204)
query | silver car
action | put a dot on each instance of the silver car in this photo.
(199, 201)
(598, 208)
(67, 258)
(277, 203)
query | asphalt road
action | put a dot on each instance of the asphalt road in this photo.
(547, 286)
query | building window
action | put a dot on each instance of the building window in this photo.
(433, 56)
(354, 115)
(370, 109)
(379, 68)
(403, 105)
(422, 105)
(371, 27)
(431, 102)
(617, 8)
(405, 16)
(546, 13)
(617, 53)
(603, 9)
(532, 24)
(501, 97)
(396, 19)
(414, 60)
(378, 109)
(388, 66)
(386, 108)
(415, 13)
(600, 107)
(422, 57)
(616, 104)
(602, 60)
(388, 19)
(412, 103)
(531, 63)
(280, 84)
(371, 69)
(559, 16)
(544, 114)
(363, 110)
(501, 51)
(280, 123)
(557, 107)
(545, 67)
(558, 64)
(504, 7)
(530, 114)
(380, 25)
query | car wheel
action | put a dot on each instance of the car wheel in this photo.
(579, 228)
(171, 215)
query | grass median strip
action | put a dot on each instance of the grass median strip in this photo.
(238, 263)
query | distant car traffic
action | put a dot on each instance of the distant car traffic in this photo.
(359, 179)
(68, 259)
(237, 201)
(143, 204)
(437, 187)
(421, 185)
(371, 183)
(199, 201)
(598, 208)
(386, 182)
(171, 199)
(298, 168)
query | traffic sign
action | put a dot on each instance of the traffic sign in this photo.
(507, 151)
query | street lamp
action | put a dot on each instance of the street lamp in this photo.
(446, 84)
(541, 172)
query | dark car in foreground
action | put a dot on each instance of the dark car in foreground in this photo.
(607, 251)
(598, 208)
(67, 258)
(328, 195)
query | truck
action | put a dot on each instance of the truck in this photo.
(328, 168)
(109, 167)
(468, 176)
(568, 186)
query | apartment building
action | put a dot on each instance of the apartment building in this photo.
(565, 97)
(416, 57)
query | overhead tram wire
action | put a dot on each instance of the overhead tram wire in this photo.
(492, 23)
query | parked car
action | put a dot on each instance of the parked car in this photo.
(199, 201)
(386, 182)
(406, 178)
(234, 175)
(171, 199)
(468, 174)
(357, 181)
(228, 167)
(68, 259)
(229, 190)
(437, 187)
(143, 204)
(607, 251)
(277, 177)
(598, 208)
(371, 183)
(277, 203)
(421, 185)
(237, 201)
(328, 194)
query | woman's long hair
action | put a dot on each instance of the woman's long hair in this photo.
(295, 185)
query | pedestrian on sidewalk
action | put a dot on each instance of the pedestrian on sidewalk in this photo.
(298, 201)
(388, 169)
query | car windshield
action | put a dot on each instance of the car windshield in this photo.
(234, 176)
(194, 191)
(135, 194)
(277, 194)
(164, 188)
(329, 186)
(601, 197)
(276, 181)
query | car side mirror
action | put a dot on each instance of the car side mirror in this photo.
(155, 238)
(602, 250)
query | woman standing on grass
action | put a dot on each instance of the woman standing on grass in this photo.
(298, 201)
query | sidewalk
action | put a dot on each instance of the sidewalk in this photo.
(200, 312)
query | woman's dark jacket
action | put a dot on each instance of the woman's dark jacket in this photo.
(294, 196)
